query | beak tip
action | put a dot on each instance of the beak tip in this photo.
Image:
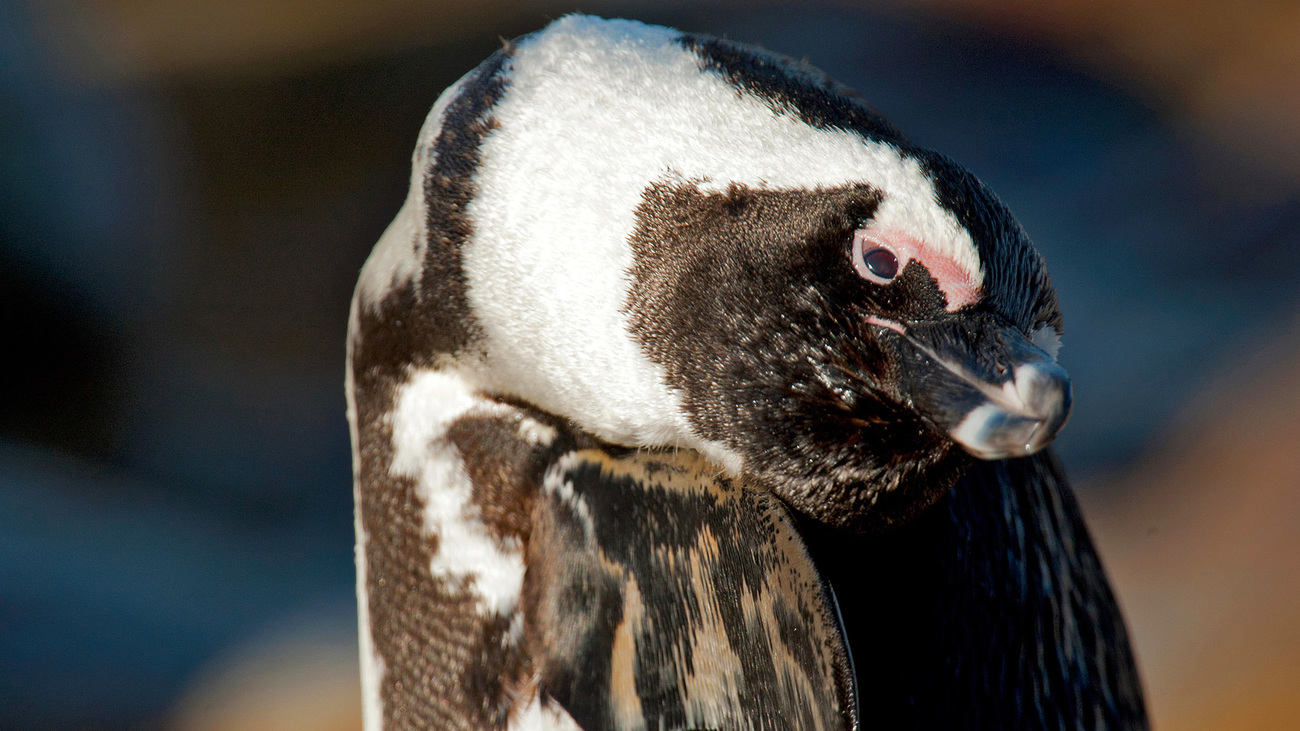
(986, 384)
(996, 431)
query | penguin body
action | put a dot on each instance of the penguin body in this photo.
(658, 311)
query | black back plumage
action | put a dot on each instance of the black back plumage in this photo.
(990, 611)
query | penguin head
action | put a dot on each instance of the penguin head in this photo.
(677, 241)
(855, 367)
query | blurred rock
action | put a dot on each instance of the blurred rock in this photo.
(303, 678)
(1233, 68)
(114, 592)
(116, 40)
(1202, 540)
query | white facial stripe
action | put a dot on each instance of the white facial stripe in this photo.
(426, 406)
(593, 113)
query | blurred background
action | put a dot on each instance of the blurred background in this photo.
(188, 189)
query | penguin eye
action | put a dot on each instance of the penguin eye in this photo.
(874, 261)
(881, 262)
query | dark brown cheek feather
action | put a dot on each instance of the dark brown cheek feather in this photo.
(748, 300)
(913, 295)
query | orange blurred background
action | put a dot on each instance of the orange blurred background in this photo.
(190, 189)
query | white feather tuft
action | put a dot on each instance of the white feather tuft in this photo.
(426, 406)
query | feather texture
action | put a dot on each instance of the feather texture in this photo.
(622, 408)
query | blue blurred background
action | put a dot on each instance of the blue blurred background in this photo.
(188, 190)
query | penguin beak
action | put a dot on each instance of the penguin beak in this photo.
(983, 382)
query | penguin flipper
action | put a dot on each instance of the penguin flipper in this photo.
(666, 595)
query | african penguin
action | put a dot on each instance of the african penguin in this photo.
(686, 392)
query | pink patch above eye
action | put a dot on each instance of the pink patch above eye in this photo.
(955, 283)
